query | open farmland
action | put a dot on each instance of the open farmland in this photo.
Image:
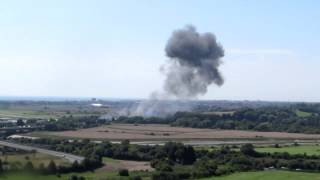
(166, 132)
(87, 175)
(47, 110)
(302, 149)
(115, 165)
(269, 175)
(36, 158)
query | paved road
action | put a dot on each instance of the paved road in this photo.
(69, 157)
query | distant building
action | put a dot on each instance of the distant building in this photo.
(7, 122)
(96, 105)
(16, 136)
(99, 105)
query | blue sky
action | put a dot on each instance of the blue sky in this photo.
(115, 48)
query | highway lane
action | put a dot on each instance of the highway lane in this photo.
(69, 157)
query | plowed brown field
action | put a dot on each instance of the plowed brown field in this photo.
(166, 132)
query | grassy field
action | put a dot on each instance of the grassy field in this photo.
(269, 175)
(86, 175)
(166, 132)
(46, 111)
(303, 114)
(98, 174)
(21, 159)
(112, 165)
(308, 149)
(30, 114)
(110, 170)
(262, 175)
(110, 160)
(89, 175)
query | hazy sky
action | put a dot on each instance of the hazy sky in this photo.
(115, 48)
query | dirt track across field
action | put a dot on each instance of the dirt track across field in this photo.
(165, 132)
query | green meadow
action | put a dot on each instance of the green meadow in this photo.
(308, 149)
(269, 175)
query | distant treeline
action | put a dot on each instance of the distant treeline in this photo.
(176, 152)
(301, 118)
(62, 124)
(71, 123)
(178, 161)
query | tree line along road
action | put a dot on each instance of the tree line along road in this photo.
(70, 157)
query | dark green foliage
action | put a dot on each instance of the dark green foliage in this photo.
(136, 178)
(177, 152)
(1, 166)
(42, 168)
(52, 168)
(75, 177)
(271, 118)
(277, 146)
(248, 149)
(71, 123)
(165, 176)
(162, 158)
(175, 160)
(162, 164)
(91, 162)
(223, 170)
(123, 172)
(28, 166)
(204, 167)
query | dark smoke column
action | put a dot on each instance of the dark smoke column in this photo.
(195, 59)
(194, 62)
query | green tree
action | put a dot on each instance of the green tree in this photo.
(248, 149)
(1, 166)
(123, 172)
(42, 168)
(52, 168)
(29, 166)
(204, 168)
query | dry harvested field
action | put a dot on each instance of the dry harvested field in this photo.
(114, 165)
(165, 132)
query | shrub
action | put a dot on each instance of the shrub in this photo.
(164, 176)
(136, 178)
(123, 172)
(222, 170)
(28, 166)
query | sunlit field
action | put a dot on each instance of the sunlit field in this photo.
(307, 149)
(269, 175)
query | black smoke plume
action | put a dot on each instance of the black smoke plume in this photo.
(195, 59)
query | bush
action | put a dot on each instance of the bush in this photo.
(165, 176)
(136, 178)
(204, 168)
(74, 177)
(28, 166)
(161, 165)
(123, 172)
(52, 168)
(277, 146)
(248, 149)
(223, 170)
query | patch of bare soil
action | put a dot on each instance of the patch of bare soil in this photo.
(166, 132)
(124, 164)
